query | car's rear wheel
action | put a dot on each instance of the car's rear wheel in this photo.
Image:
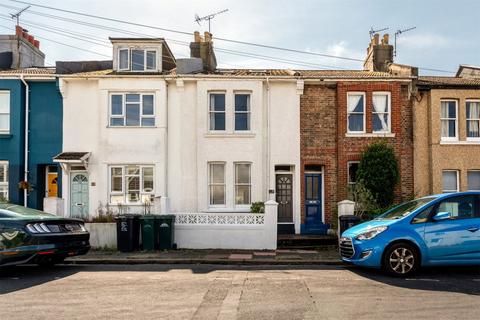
(401, 260)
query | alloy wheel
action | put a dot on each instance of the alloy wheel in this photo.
(402, 260)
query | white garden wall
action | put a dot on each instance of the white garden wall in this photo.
(228, 230)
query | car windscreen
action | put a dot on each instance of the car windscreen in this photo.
(21, 211)
(404, 209)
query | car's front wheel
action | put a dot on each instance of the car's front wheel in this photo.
(401, 260)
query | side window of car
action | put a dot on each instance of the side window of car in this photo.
(422, 217)
(462, 207)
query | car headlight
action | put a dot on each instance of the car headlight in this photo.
(372, 233)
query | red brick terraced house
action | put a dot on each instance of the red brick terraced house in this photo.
(341, 113)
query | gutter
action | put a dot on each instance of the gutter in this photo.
(27, 110)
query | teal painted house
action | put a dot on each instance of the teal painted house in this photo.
(44, 135)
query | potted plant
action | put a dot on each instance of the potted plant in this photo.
(25, 185)
(257, 207)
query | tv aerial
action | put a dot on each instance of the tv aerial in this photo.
(18, 14)
(208, 18)
(372, 31)
(397, 34)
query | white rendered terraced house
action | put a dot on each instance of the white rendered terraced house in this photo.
(200, 142)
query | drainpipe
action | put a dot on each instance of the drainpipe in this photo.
(27, 110)
(268, 139)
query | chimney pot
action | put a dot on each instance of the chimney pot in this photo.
(208, 36)
(197, 37)
(30, 39)
(385, 38)
(376, 39)
(36, 43)
(25, 34)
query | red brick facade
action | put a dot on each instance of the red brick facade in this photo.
(323, 128)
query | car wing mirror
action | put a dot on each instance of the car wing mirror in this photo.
(443, 215)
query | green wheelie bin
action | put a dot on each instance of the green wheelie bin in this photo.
(166, 230)
(149, 228)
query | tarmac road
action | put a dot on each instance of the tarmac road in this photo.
(235, 292)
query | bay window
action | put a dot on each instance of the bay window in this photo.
(381, 112)
(473, 120)
(243, 184)
(216, 184)
(132, 184)
(356, 112)
(4, 112)
(448, 118)
(132, 110)
(4, 180)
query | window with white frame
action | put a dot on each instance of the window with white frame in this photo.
(473, 180)
(137, 60)
(132, 110)
(132, 184)
(352, 167)
(242, 112)
(4, 180)
(4, 112)
(473, 119)
(381, 112)
(450, 181)
(217, 111)
(356, 112)
(243, 184)
(448, 118)
(216, 184)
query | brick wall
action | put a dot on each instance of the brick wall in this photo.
(323, 126)
(318, 140)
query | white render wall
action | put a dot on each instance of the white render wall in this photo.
(180, 146)
(86, 128)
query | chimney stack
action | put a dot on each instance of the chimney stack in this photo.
(379, 54)
(202, 47)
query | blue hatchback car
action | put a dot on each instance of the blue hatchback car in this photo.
(430, 231)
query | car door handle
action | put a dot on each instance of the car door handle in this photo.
(473, 229)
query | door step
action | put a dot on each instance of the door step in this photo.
(286, 228)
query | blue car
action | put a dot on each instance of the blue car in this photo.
(430, 231)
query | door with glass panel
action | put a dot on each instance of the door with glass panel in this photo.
(79, 195)
(313, 202)
(284, 197)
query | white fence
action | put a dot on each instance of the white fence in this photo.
(227, 230)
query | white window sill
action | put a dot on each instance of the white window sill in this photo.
(369, 135)
(226, 210)
(458, 142)
(229, 135)
(132, 127)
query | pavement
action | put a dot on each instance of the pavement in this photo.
(327, 255)
(235, 292)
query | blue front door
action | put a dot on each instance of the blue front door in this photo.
(314, 204)
(456, 239)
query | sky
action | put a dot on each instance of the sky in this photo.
(446, 34)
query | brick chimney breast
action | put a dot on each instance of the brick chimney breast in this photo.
(379, 55)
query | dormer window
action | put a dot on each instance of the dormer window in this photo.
(137, 60)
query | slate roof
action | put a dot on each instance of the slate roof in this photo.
(71, 156)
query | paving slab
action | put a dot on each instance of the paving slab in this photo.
(239, 256)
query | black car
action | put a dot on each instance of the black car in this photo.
(32, 236)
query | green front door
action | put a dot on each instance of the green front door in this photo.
(79, 195)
